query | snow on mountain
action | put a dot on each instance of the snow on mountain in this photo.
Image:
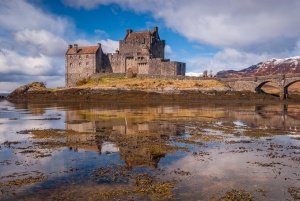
(269, 67)
(193, 74)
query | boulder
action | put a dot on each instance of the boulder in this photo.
(22, 90)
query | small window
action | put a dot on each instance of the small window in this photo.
(79, 63)
(87, 63)
(71, 57)
(79, 56)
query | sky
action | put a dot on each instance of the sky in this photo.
(208, 35)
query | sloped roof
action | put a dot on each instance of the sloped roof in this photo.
(83, 50)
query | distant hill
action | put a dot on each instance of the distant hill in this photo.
(4, 94)
(269, 67)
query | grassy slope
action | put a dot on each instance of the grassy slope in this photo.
(147, 83)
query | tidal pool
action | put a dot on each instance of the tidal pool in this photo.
(84, 151)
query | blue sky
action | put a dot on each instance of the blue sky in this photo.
(111, 22)
(206, 34)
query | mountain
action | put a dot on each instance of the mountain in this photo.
(269, 67)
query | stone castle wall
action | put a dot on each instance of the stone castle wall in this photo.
(158, 49)
(131, 48)
(140, 52)
(166, 67)
(117, 63)
(82, 66)
(120, 64)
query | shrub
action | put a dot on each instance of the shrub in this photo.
(38, 84)
(130, 73)
(82, 82)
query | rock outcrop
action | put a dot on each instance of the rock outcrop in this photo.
(23, 90)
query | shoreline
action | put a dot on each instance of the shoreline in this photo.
(163, 93)
(143, 96)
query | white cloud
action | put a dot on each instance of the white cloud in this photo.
(225, 59)
(246, 32)
(297, 48)
(6, 87)
(12, 62)
(17, 15)
(32, 45)
(168, 49)
(101, 33)
(234, 24)
(109, 46)
(43, 41)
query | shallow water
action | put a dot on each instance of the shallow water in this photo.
(107, 152)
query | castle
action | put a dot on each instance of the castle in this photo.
(141, 52)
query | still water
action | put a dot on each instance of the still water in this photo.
(152, 152)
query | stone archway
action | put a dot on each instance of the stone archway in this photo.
(259, 87)
(286, 87)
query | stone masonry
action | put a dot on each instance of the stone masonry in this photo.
(82, 62)
(255, 84)
(141, 52)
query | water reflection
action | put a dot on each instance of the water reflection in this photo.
(205, 150)
(138, 135)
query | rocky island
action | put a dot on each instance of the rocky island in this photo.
(119, 88)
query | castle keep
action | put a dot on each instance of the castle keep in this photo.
(141, 52)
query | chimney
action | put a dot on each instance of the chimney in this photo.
(76, 47)
(128, 31)
(155, 28)
(70, 46)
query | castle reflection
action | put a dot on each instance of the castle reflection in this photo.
(140, 134)
(140, 137)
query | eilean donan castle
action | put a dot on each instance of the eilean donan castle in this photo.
(141, 52)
